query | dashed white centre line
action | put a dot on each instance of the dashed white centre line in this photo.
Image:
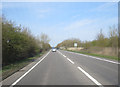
(90, 77)
(84, 72)
(64, 55)
(70, 60)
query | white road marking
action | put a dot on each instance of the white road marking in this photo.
(104, 60)
(95, 58)
(64, 55)
(67, 58)
(29, 70)
(70, 61)
(90, 77)
(61, 54)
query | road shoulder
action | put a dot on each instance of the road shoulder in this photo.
(15, 76)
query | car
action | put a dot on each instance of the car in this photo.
(53, 50)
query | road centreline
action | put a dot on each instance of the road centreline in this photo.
(29, 70)
(84, 72)
(70, 61)
(95, 58)
(67, 58)
(90, 77)
(61, 53)
(64, 55)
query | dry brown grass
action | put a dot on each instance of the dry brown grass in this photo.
(75, 49)
(108, 51)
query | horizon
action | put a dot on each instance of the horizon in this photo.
(63, 20)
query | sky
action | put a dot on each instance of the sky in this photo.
(63, 20)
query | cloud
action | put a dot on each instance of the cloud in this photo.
(0, 6)
(75, 16)
(0, 9)
(44, 10)
(8, 5)
(104, 7)
(38, 9)
(78, 24)
(88, 28)
(42, 13)
(41, 16)
(60, 0)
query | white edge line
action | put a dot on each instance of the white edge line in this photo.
(29, 70)
(90, 77)
(95, 58)
(70, 60)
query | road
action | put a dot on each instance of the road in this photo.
(68, 68)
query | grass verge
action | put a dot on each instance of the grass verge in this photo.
(12, 68)
(98, 55)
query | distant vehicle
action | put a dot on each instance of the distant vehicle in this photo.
(53, 50)
(57, 48)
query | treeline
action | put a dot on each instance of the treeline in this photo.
(69, 43)
(100, 41)
(18, 43)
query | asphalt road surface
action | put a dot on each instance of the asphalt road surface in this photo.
(68, 68)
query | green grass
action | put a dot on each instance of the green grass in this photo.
(97, 55)
(12, 68)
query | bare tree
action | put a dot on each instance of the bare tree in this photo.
(101, 39)
(44, 41)
(44, 38)
(114, 38)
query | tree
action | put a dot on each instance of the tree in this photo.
(101, 39)
(18, 43)
(113, 35)
(44, 39)
(114, 38)
(69, 43)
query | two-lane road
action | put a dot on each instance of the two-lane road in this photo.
(66, 68)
